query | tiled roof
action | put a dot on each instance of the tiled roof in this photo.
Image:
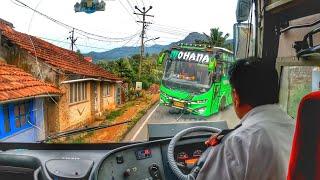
(16, 83)
(63, 59)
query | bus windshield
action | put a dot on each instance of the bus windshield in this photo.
(189, 76)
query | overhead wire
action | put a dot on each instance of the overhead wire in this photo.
(38, 65)
(133, 9)
(55, 40)
(71, 27)
(130, 14)
(143, 3)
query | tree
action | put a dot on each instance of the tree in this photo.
(216, 38)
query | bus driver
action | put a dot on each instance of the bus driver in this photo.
(259, 147)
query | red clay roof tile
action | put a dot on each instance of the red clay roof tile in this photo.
(61, 58)
(15, 84)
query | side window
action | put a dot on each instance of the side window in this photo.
(77, 92)
(106, 90)
(216, 76)
(296, 82)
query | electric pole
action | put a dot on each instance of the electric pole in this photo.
(142, 13)
(72, 39)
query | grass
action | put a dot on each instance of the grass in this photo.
(296, 94)
(112, 115)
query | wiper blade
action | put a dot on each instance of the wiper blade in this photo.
(81, 130)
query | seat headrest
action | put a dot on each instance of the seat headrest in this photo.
(305, 154)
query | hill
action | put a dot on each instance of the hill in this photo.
(128, 51)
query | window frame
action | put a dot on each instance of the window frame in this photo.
(12, 118)
(77, 92)
(106, 90)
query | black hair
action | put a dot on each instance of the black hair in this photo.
(255, 82)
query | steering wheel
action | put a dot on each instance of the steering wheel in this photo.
(170, 154)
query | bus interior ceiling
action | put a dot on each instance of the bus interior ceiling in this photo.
(278, 18)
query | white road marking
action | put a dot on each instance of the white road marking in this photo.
(144, 123)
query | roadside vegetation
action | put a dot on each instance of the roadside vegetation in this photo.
(128, 70)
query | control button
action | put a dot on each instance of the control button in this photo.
(154, 171)
(134, 169)
(127, 173)
(119, 159)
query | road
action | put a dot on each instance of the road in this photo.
(160, 114)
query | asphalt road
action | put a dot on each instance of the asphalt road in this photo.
(160, 114)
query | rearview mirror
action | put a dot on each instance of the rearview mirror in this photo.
(244, 41)
(162, 57)
(243, 10)
(212, 65)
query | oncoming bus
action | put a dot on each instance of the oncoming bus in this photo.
(195, 79)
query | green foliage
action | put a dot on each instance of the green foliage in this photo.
(216, 38)
(128, 70)
(296, 94)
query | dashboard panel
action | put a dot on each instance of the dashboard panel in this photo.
(139, 161)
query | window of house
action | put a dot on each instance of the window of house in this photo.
(106, 90)
(14, 117)
(22, 113)
(6, 119)
(78, 92)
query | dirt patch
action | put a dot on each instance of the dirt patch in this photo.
(132, 110)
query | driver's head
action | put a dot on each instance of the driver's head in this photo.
(253, 84)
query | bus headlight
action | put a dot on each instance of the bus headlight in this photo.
(202, 110)
(202, 101)
(199, 101)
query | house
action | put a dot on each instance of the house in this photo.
(21, 105)
(86, 89)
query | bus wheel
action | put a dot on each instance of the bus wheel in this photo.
(222, 103)
(174, 111)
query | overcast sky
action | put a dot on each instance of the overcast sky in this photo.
(173, 20)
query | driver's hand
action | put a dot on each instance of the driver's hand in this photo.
(212, 141)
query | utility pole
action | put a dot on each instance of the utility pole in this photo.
(142, 13)
(72, 39)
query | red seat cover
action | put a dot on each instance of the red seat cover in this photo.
(305, 154)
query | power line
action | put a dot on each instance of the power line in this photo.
(127, 11)
(175, 28)
(130, 5)
(64, 42)
(169, 32)
(69, 26)
(143, 3)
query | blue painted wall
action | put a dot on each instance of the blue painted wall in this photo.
(33, 131)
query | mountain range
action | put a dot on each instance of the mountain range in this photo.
(128, 51)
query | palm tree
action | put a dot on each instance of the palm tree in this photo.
(216, 38)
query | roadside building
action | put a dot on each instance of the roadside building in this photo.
(86, 89)
(21, 105)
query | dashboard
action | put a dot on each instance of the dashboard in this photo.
(138, 161)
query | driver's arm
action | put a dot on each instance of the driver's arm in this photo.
(246, 155)
(225, 161)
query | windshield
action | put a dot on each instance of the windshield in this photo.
(86, 71)
(189, 76)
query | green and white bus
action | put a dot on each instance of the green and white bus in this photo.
(195, 79)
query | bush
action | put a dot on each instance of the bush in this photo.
(128, 70)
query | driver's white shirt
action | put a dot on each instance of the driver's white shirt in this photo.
(258, 150)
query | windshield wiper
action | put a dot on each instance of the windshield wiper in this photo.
(81, 130)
